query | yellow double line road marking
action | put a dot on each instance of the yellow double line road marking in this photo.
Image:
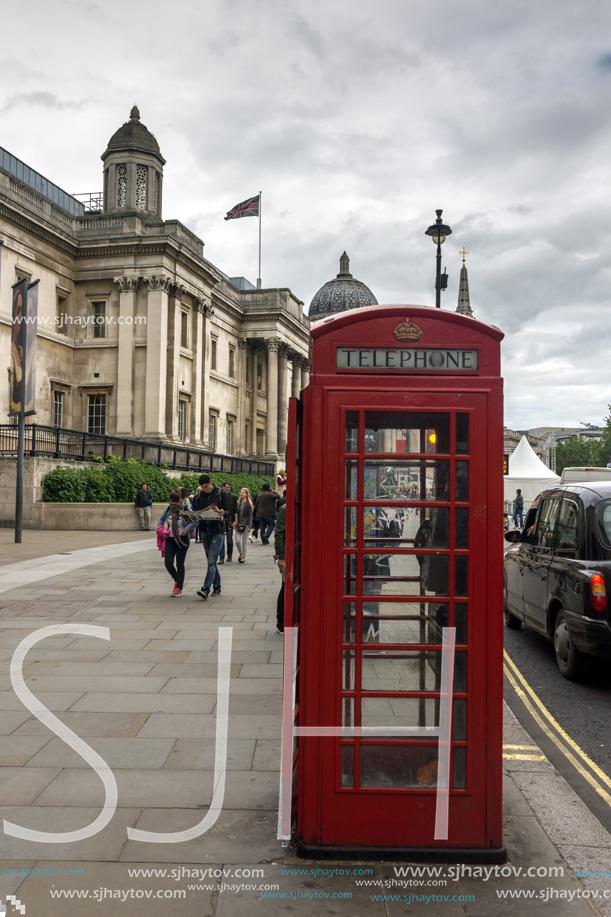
(597, 779)
(510, 754)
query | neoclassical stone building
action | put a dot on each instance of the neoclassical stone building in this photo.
(139, 335)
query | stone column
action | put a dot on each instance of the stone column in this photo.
(198, 366)
(252, 356)
(156, 355)
(305, 372)
(283, 407)
(171, 409)
(205, 307)
(272, 396)
(125, 355)
(296, 360)
(240, 445)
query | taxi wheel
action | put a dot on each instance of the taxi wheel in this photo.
(567, 656)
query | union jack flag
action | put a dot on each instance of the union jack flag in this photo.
(249, 208)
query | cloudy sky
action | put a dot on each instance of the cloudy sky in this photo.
(357, 120)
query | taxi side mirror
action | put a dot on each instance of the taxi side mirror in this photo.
(513, 536)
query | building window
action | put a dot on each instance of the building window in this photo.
(96, 415)
(231, 363)
(121, 186)
(62, 314)
(99, 319)
(246, 437)
(213, 354)
(182, 415)
(247, 370)
(155, 190)
(58, 408)
(230, 429)
(259, 377)
(184, 330)
(141, 173)
(212, 430)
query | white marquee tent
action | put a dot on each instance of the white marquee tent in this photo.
(528, 473)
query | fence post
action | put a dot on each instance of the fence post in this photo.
(84, 447)
(159, 456)
(33, 446)
(57, 434)
(124, 449)
(105, 447)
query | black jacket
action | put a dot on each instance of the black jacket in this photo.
(233, 504)
(202, 500)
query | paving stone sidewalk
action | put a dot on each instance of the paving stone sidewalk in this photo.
(145, 701)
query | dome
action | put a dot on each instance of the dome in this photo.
(133, 135)
(341, 294)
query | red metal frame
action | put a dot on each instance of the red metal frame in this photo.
(331, 816)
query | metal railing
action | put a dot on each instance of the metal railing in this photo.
(91, 200)
(59, 443)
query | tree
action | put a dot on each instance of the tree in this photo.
(576, 452)
(604, 444)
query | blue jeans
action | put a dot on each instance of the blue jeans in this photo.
(268, 524)
(212, 546)
(517, 513)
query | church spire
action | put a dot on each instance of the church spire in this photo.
(464, 303)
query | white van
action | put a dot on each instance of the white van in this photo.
(582, 475)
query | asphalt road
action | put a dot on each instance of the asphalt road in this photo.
(583, 710)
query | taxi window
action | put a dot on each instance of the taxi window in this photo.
(546, 523)
(604, 517)
(567, 529)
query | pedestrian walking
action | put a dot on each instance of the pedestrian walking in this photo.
(254, 536)
(242, 523)
(143, 504)
(279, 543)
(177, 541)
(229, 519)
(266, 507)
(281, 482)
(518, 508)
(211, 532)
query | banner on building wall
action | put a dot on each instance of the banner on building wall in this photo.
(31, 335)
(22, 376)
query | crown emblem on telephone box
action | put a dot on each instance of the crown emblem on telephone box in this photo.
(407, 331)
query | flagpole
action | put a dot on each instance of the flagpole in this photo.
(259, 277)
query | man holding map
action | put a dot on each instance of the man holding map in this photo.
(211, 530)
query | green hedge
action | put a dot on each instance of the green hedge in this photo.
(118, 482)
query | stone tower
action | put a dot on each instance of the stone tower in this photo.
(133, 170)
(464, 303)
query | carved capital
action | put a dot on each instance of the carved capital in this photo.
(178, 289)
(204, 306)
(159, 282)
(242, 343)
(273, 343)
(127, 284)
(284, 349)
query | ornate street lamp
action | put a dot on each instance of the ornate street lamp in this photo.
(438, 232)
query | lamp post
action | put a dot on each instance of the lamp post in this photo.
(438, 232)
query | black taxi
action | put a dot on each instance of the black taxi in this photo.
(558, 572)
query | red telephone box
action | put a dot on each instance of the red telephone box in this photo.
(394, 588)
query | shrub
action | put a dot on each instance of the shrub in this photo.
(118, 482)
